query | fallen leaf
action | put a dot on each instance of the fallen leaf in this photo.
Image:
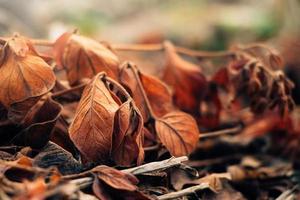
(100, 125)
(39, 123)
(186, 79)
(110, 183)
(82, 57)
(147, 91)
(179, 132)
(22, 73)
(128, 135)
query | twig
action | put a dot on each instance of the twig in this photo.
(221, 132)
(184, 192)
(152, 148)
(155, 166)
(146, 47)
(83, 182)
(136, 72)
(182, 50)
(149, 167)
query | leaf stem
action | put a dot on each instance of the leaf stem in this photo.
(181, 50)
(135, 72)
(66, 91)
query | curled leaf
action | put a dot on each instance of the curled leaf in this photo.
(147, 91)
(23, 74)
(110, 183)
(178, 131)
(115, 178)
(127, 136)
(101, 126)
(275, 60)
(39, 123)
(186, 79)
(82, 57)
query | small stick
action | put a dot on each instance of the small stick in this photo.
(152, 148)
(184, 192)
(145, 47)
(221, 132)
(154, 166)
(182, 50)
(149, 167)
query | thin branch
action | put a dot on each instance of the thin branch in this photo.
(152, 148)
(67, 91)
(155, 166)
(83, 182)
(146, 48)
(181, 50)
(149, 167)
(184, 192)
(221, 132)
(137, 47)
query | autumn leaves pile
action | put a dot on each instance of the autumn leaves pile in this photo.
(74, 98)
(122, 110)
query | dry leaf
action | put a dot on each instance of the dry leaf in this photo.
(145, 88)
(93, 131)
(110, 183)
(82, 57)
(39, 123)
(22, 73)
(186, 79)
(179, 132)
(128, 135)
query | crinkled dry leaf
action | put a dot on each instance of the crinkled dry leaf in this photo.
(115, 178)
(100, 125)
(22, 73)
(110, 183)
(145, 88)
(83, 57)
(53, 155)
(186, 79)
(128, 135)
(38, 123)
(179, 132)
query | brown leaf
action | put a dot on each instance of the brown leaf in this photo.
(275, 60)
(115, 178)
(101, 126)
(83, 57)
(128, 135)
(146, 91)
(92, 127)
(110, 183)
(22, 73)
(39, 123)
(178, 131)
(186, 79)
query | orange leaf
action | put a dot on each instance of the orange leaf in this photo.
(145, 88)
(115, 178)
(178, 131)
(83, 57)
(128, 135)
(100, 125)
(22, 73)
(186, 79)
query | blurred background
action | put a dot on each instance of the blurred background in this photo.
(197, 24)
